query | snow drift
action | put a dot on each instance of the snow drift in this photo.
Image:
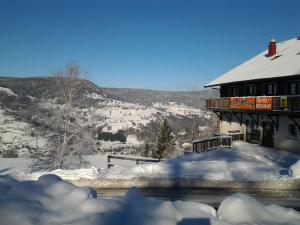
(50, 200)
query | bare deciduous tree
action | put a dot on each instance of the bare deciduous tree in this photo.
(69, 138)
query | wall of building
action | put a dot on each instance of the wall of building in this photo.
(282, 138)
(226, 127)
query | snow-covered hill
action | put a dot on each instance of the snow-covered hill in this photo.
(119, 125)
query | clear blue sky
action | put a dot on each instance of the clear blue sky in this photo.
(153, 44)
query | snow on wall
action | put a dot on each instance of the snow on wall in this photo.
(242, 209)
(49, 200)
(294, 170)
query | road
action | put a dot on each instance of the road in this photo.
(212, 196)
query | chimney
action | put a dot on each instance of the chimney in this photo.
(272, 48)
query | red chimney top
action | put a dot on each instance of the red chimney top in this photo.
(272, 48)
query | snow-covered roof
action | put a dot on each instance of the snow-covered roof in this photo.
(286, 62)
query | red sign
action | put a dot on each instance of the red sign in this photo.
(264, 103)
(247, 103)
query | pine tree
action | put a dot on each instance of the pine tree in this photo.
(146, 149)
(165, 142)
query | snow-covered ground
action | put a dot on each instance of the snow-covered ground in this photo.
(244, 162)
(16, 135)
(49, 200)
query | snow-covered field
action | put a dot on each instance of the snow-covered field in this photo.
(49, 200)
(244, 162)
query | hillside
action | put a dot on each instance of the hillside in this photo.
(118, 120)
(194, 99)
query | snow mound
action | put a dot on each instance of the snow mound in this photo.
(52, 201)
(243, 209)
(49, 200)
(243, 162)
(294, 170)
(88, 173)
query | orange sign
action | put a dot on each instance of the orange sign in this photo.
(264, 103)
(242, 103)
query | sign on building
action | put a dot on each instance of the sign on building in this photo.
(247, 103)
(264, 103)
(283, 102)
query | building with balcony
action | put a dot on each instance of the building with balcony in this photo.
(261, 98)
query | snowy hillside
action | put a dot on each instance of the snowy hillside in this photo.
(117, 125)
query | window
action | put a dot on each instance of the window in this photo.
(250, 90)
(271, 89)
(235, 91)
(294, 88)
(292, 130)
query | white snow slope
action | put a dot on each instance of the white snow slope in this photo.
(49, 200)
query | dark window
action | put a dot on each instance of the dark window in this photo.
(294, 88)
(292, 130)
(250, 90)
(271, 89)
(235, 91)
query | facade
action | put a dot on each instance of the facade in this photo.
(261, 98)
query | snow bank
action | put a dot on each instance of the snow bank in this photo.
(88, 173)
(244, 162)
(294, 170)
(50, 200)
(243, 209)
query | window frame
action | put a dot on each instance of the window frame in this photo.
(274, 89)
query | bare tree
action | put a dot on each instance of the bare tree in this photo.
(69, 138)
(71, 133)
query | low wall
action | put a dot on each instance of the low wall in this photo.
(182, 183)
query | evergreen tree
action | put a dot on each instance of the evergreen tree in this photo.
(146, 149)
(165, 142)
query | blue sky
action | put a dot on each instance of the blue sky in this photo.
(153, 44)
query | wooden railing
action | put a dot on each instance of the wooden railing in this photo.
(130, 158)
(257, 103)
(212, 143)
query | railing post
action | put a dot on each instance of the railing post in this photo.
(108, 162)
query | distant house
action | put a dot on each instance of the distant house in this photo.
(261, 98)
(108, 136)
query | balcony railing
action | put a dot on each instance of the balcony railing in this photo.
(257, 103)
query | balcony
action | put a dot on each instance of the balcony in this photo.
(287, 104)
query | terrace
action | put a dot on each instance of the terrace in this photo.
(271, 106)
(285, 104)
